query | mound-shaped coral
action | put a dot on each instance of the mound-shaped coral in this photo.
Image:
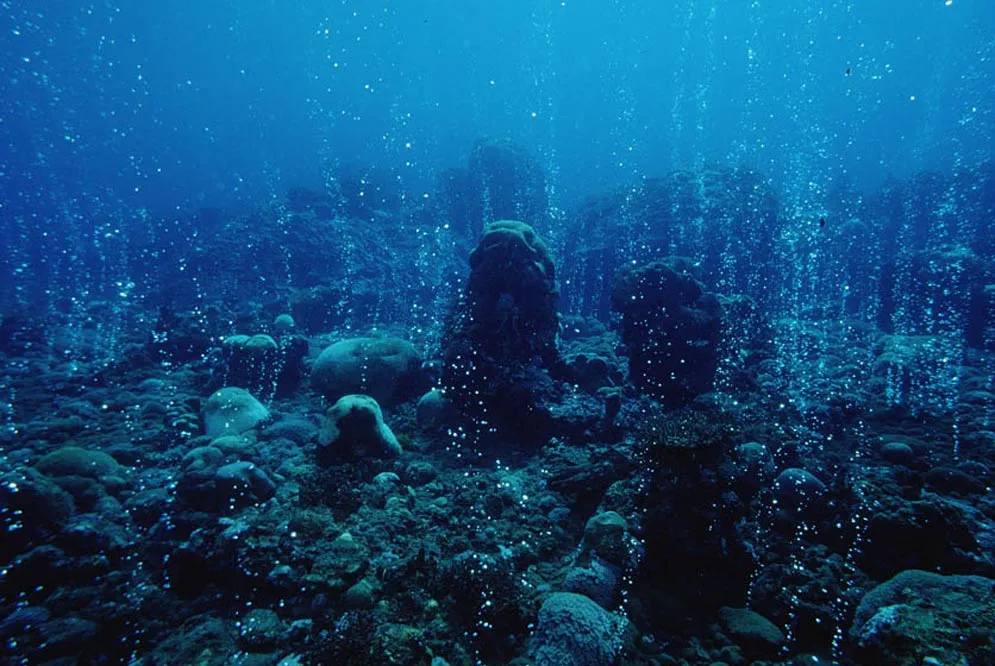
(388, 369)
(231, 411)
(354, 428)
(920, 617)
(572, 630)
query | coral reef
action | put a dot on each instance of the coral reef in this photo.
(796, 470)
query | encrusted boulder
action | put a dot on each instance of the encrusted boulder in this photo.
(88, 475)
(572, 630)
(206, 484)
(354, 429)
(232, 411)
(387, 369)
(261, 363)
(920, 617)
(32, 508)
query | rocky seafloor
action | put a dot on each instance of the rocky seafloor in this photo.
(252, 482)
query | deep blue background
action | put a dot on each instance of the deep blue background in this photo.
(184, 103)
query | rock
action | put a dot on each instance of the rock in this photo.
(260, 630)
(195, 642)
(110, 509)
(753, 454)
(203, 459)
(232, 411)
(387, 369)
(752, 466)
(42, 567)
(919, 617)
(957, 482)
(344, 558)
(32, 506)
(897, 452)
(86, 536)
(244, 481)
(146, 507)
(796, 488)
(208, 485)
(931, 532)
(283, 577)
(593, 369)
(605, 535)
(22, 620)
(575, 414)
(755, 634)
(76, 461)
(572, 630)
(671, 327)
(297, 430)
(67, 636)
(433, 410)
(612, 397)
(284, 324)
(354, 429)
(598, 580)
(386, 480)
(234, 443)
(419, 473)
(359, 596)
(85, 474)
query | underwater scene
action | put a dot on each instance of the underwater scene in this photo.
(484, 332)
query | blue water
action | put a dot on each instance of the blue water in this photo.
(191, 103)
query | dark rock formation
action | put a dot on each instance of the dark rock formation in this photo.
(502, 338)
(671, 327)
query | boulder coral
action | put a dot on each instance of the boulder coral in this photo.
(259, 363)
(921, 617)
(387, 369)
(354, 429)
(232, 411)
(572, 630)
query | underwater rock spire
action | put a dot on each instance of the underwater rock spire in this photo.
(671, 327)
(502, 337)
